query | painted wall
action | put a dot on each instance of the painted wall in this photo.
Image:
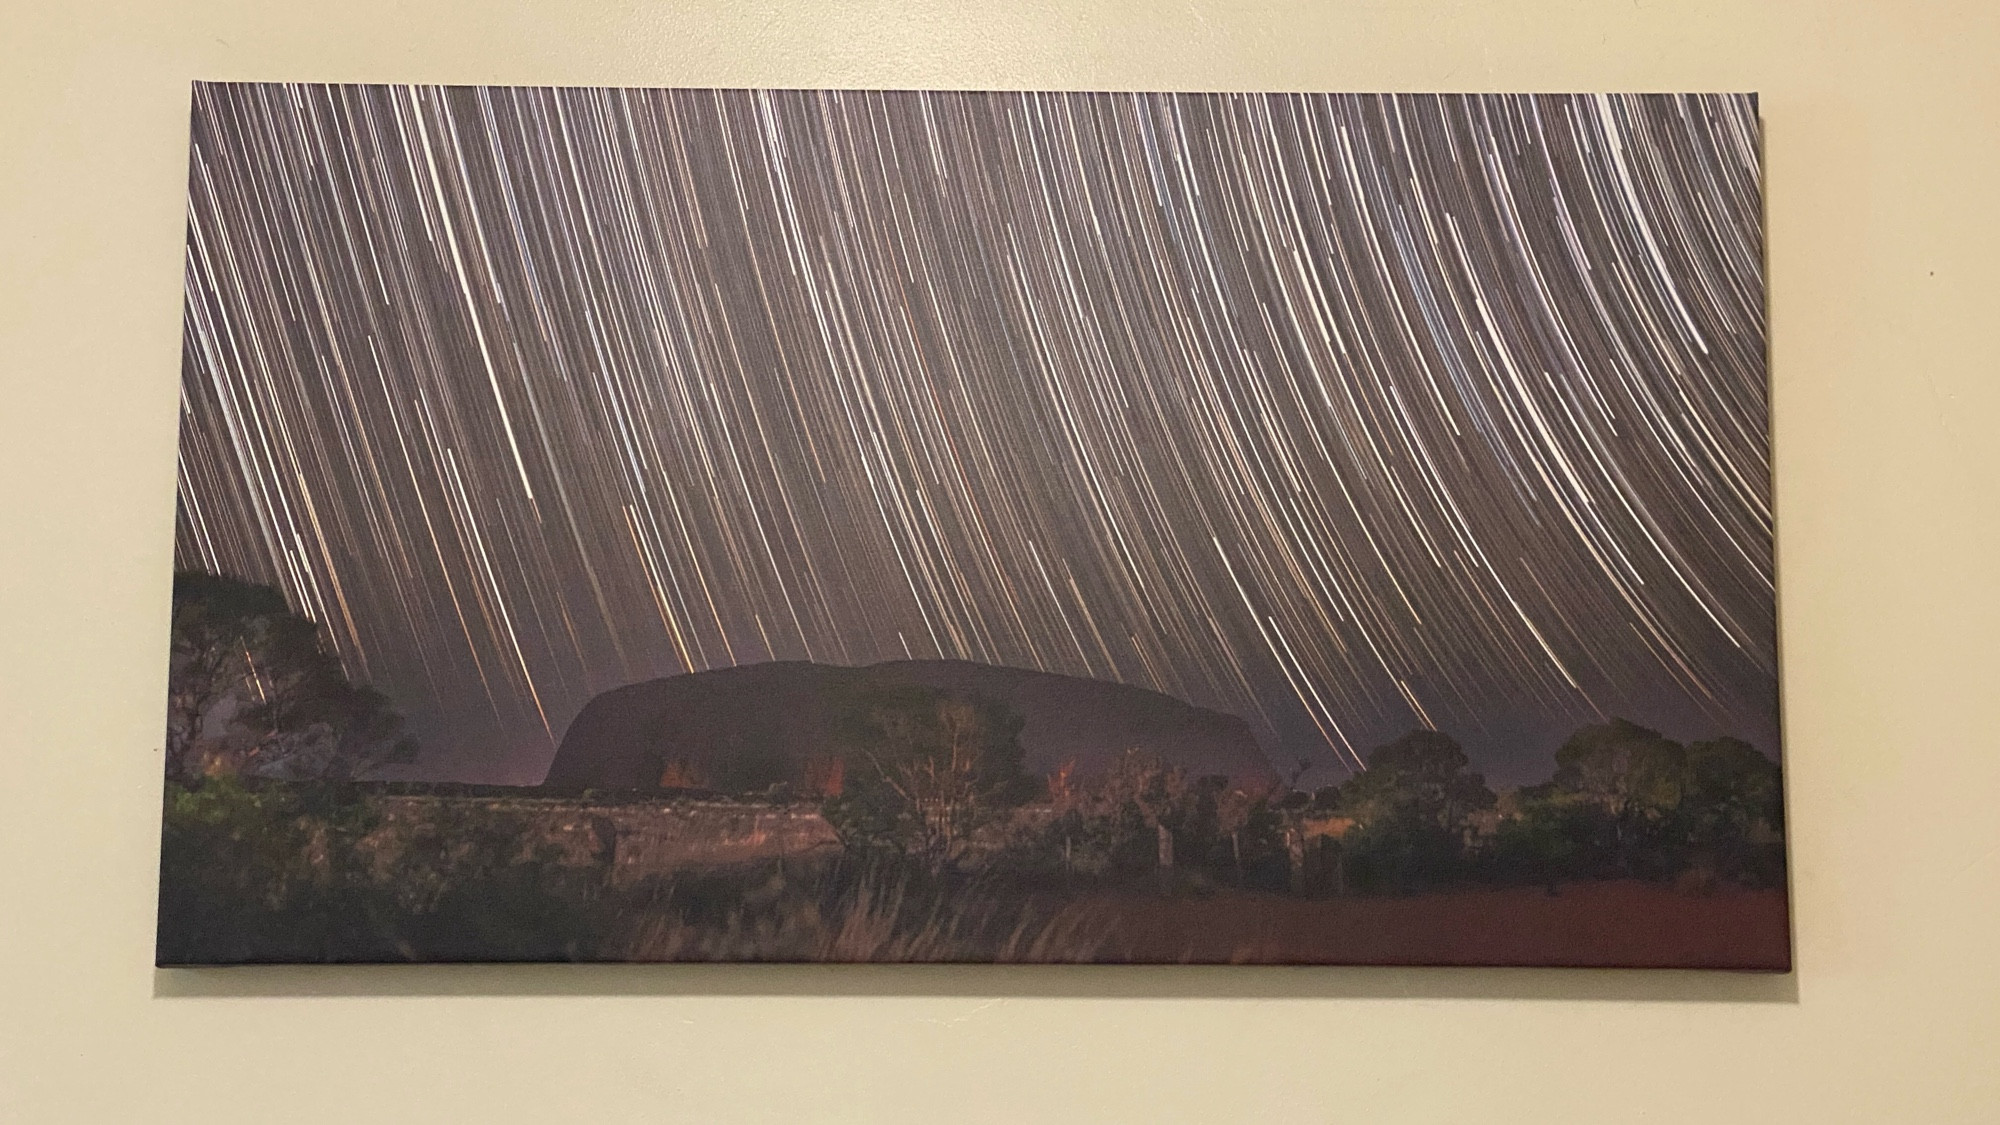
(1885, 252)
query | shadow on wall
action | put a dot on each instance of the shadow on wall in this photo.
(1105, 982)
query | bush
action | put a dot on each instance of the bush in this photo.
(924, 771)
(276, 871)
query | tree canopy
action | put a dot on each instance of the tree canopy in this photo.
(253, 690)
(925, 768)
(1627, 769)
(1420, 778)
(1626, 800)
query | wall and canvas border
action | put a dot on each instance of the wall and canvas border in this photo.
(1881, 262)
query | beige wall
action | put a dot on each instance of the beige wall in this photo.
(1882, 129)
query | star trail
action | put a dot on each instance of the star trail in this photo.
(1345, 414)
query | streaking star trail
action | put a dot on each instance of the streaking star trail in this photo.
(1346, 414)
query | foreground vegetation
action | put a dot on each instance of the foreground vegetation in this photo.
(293, 871)
(276, 870)
(937, 780)
(949, 849)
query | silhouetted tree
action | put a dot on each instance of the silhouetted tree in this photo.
(1629, 771)
(1143, 814)
(1411, 809)
(1627, 800)
(1731, 817)
(1734, 784)
(253, 690)
(216, 624)
(926, 768)
(1421, 778)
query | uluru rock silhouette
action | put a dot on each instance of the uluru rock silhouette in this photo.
(755, 725)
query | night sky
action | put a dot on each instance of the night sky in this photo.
(1345, 414)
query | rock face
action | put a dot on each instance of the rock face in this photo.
(755, 725)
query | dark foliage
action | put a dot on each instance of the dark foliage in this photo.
(925, 770)
(274, 871)
(1412, 815)
(952, 852)
(1627, 802)
(1146, 821)
(252, 690)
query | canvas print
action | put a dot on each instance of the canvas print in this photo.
(820, 525)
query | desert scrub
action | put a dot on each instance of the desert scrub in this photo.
(845, 911)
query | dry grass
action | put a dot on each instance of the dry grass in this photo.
(876, 917)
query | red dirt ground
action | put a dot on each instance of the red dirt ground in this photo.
(1621, 924)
